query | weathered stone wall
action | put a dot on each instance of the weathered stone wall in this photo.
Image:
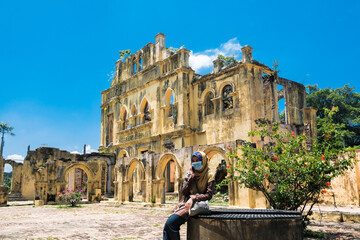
(4, 191)
(345, 189)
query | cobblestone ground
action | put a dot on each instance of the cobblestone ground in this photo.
(101, 221)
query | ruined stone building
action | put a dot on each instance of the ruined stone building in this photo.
(48, 171)
(155, 114)
(158, 111)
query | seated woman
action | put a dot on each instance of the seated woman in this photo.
(199, 185)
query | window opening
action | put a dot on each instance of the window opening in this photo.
(227, 98)
(209, 105)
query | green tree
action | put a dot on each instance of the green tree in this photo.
(227, 60)
(290, 172)
(4, 129)
(348, 103)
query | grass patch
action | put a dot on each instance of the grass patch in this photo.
(319, 235)
(156, 225)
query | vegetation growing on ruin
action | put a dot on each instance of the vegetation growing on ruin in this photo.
(291, 172)
(229, 60)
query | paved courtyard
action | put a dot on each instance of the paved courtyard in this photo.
(109, 221)
(91, 221)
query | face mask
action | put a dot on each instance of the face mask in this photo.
(197, 165)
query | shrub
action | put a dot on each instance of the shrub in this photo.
(290, 170)
(70, 196)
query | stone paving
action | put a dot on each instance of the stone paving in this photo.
(110, 221)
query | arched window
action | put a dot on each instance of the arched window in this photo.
(123, 119)
(134, 67)
(227, 99)
(209, 105)
(169, 102)
(147, 117)
(145, 110)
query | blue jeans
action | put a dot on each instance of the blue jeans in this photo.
(172, 227)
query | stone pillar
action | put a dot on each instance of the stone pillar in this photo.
(143, 190)
(159, 190)
(159, 46)
(309, 116)
(217, 65)
(247, 54)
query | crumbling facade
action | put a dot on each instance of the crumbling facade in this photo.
(48, 171)
(158, 111)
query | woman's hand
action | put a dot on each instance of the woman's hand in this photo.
(189, 203)
(192, 174)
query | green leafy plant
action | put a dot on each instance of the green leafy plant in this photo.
(153, 199)
(227, 60)
(124, 53)
(290, 170)
(70, 197)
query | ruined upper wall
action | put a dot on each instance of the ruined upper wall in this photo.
(152, 62)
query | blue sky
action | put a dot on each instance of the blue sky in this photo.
(55, 56)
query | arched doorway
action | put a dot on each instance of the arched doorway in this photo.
(76, 179)
(136, 181)
(217, 156)
(169, 174)
(8, 176)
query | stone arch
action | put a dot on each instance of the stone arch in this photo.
(134, 185)
(90, 178)
(205, 93)
(213, 150)
(162, 165)
(133, 163)
(123, 118)
(145, 111)
(224, 84)
(169, 92)
(83, 167)
(122, 153)
(144, 101)
(216, 155)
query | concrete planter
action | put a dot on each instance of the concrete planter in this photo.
(246, 224)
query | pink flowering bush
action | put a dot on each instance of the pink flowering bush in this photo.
(71, 196)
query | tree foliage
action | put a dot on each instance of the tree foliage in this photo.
(4, 129)
(348, 103)
(227, 60)
(290, 173)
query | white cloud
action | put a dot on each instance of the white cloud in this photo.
(89, 149)
(204, 60)
(16, 158)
